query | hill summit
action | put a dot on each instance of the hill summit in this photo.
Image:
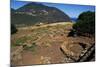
(34, 13)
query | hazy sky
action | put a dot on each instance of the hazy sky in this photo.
(71, 10)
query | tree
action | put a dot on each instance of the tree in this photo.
(85, 23)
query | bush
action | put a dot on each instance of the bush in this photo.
(13, 29)
(85, 23)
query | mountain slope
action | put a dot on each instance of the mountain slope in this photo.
(33, 13)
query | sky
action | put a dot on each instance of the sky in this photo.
(71, 10)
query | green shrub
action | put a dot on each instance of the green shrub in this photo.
(13, 29)
(85, 23)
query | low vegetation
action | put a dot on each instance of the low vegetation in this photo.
(30, 48)
(13, 29)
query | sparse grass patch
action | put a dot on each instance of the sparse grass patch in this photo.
(22, 40)
(30, 48)
(19, 42)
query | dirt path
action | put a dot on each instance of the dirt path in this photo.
(45, 25)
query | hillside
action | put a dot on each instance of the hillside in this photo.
(34, 13)
(49, 44)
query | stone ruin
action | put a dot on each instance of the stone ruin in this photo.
(79, 52)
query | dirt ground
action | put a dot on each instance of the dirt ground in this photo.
(48, 41)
